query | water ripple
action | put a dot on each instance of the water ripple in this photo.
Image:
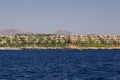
(60, 65)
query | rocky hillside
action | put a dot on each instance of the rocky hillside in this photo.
(62, 32)
(11, 31)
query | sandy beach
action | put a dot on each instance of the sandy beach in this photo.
(69, 48)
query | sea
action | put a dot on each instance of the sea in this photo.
(59, 64)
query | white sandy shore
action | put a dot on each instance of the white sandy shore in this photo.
(77, 48)
(9, 48)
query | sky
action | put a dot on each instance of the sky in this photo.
(48, 16)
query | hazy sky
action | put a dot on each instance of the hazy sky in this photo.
(76, 16)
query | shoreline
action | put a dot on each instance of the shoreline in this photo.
(60, 48)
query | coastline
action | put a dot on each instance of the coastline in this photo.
(60, 48)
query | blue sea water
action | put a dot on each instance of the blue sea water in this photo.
(60, 65)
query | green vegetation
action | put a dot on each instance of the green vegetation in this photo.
(97, 45)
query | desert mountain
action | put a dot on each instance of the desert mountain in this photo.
(12, 31)
(62, 32)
